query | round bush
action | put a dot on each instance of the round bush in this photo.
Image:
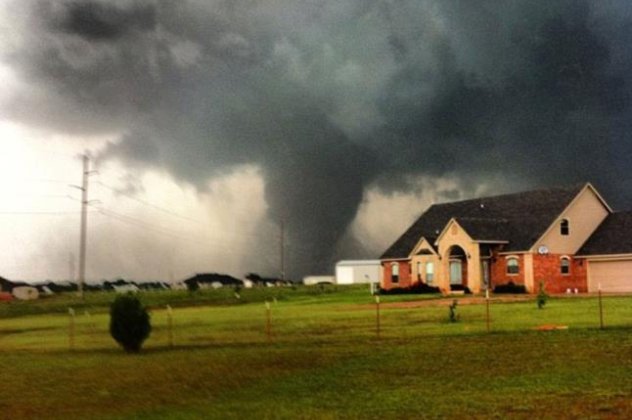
(129, 322)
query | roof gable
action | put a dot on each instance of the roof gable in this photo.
(588, 188)
(451, 222)
(424, 247)
(521, 218)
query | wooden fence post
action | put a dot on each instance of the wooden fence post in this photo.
(71, 329)
(170, 325)
(268, 321)
(377, 316)
(487, 308)
(600, 309)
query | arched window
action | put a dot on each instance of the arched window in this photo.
(429, 272)
(395, 272)
(564, 227)
(565, 266)
(512, 265)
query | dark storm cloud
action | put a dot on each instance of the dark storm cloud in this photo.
(100, 21)
(331, 97)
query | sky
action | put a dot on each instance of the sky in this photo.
(213, 126)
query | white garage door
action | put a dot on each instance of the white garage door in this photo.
(614, 276)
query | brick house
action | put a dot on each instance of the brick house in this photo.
(567, 238)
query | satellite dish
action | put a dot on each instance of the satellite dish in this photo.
(543, 250)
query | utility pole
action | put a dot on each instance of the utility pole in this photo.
(282, 249)
(84, 223)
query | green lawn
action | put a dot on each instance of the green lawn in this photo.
(322, 361)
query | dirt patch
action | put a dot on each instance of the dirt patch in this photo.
(551, 327)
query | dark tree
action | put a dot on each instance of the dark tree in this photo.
(129, 322)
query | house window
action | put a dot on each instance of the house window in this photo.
(419, 268)
(565, 266)
(512, 265)
(429, 272)
(395, 273)
(564, 227)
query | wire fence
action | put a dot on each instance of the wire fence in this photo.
(317, 323)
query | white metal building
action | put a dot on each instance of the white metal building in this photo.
(358, 271)
(312, 280)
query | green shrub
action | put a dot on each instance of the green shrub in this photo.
(460, 288)
(542, 296)
(454, 317)
(511, 288)
(129, 322)
(416, 288)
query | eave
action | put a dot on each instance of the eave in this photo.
(606, 257)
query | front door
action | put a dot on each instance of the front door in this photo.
(456, 276)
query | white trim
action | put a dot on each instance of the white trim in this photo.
(394, 277)
(512, 257)
(600, 197)
(417, 247)
(569, 259)
(432, 274)
(606, 257)
(557, 219)
(386, 260)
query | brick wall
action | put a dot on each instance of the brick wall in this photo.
(498, 271)
(404, 274)
(546, 268)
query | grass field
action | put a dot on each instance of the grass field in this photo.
(323, 359)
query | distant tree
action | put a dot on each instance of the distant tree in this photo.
(254, 277)
(129, 322)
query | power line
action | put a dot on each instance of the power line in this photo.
(48, 180)
(40, 195)
(155, 229)
(138, 222)
(173, 213)
(148, 204)
(38, 213)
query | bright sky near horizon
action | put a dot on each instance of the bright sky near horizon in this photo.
(161, 231)
(164, 231)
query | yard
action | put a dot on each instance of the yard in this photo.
(322, 360)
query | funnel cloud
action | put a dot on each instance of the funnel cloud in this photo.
(332, 98)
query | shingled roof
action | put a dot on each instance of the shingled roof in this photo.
(486, 229)
(613, 236)
(519, 218)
